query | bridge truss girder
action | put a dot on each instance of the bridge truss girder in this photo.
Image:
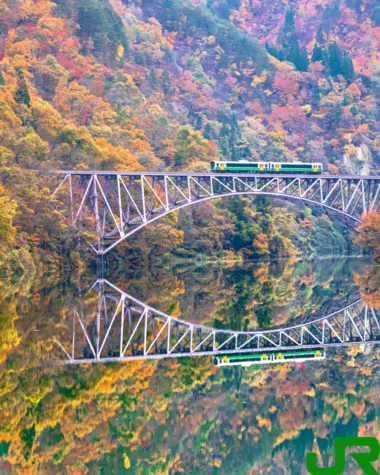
(125, 329)
(115, 205)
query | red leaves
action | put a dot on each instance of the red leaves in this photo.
(75, 70)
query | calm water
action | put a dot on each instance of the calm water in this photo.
(182, 415)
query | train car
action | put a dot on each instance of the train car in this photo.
(244, 166)
(269, 357)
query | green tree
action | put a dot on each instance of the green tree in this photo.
(347, 66)
(22, 94)
(289, 21)
(318, 54)
(335, 59)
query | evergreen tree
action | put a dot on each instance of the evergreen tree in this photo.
(294, 54)
(318, 54)
(354, 5)
(335, 59)
(22, 94)
(376, 16)
(224, 130)
(335, 11)
(347, 66)
(304, 60)
(281, 55)
(2, 80)
(289, 21)
(224, 147)
(320, 35)
(99, 21)
(208, 132)
(235, 125)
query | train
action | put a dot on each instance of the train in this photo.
(244, 166)
(269, 357)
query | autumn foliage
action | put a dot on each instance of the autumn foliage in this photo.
(369, 232)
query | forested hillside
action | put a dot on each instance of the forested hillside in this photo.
(149, 84)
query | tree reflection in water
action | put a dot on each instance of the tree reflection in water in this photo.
(185, 415)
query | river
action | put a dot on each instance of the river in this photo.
(181, 415)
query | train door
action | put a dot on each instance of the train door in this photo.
(261, 166)
(277, 166)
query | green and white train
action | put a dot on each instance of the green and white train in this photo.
(269, 357)
(244, 166)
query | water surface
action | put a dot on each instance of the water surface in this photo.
(183, 415)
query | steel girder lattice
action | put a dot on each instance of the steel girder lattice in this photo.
(111, 206)
(122, 328)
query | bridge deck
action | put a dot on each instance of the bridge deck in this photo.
(204, 174)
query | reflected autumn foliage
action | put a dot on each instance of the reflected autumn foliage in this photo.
(369, 283)
(185, 415)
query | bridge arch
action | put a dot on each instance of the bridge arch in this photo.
(123, 203)
(215, 196)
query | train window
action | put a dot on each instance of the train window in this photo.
(293, 165)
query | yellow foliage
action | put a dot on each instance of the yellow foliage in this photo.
(351, 149)
(264, 422)
(120, 52)
(127, 462)
(286, 435)
(306, 108)
(310, 393)
(280, 65)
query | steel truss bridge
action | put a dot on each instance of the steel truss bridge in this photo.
(114, 205)
(121, 328)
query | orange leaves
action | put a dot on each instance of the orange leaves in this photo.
(363, 129)
(261, 244)
(370, 232)
(307, 224)
(369, 284)
(117, 158)
(354, 90)
(333, 169)
(140, 146)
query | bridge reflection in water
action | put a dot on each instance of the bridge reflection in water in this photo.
(122, 328)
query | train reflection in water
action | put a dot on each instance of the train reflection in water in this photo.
(269, 357)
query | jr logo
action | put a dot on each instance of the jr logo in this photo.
(363, 459)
